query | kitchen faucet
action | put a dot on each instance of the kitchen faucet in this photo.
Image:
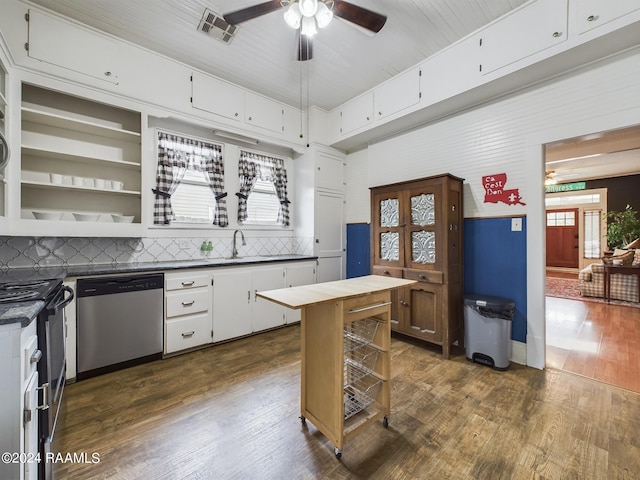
(234, 252)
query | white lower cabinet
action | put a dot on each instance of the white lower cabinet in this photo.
(205, 306)
(266, 314)
(231, 303)
(188, 321)
(295, 276)
(18, 400)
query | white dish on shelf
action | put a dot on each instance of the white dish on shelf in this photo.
(123, 218)
(47, 215)
(86, 217)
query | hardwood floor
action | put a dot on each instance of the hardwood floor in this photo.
(596, 340)
(231, 412)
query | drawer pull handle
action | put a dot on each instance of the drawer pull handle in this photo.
(188, 284)
(370, 307)
(188, 304)
(188, 334)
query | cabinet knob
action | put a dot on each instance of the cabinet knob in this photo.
(422, 277)
(557, 34)
(403, 303)
(386, 272)
(235, 114)
(250, 118)
(107, 74)
(592, 18)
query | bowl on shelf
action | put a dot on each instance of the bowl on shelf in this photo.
(86, 217)
(47, 215)
(122, 218)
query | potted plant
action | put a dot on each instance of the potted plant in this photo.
(622, 227)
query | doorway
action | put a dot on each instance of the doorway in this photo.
(583, 337)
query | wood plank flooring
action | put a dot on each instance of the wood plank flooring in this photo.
(596, 340)
(231, 412)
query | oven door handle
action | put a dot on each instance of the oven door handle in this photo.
(61, 300)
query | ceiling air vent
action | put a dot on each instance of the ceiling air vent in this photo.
(215, 26)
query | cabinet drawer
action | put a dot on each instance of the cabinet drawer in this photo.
(376, 304)
(425, 276)
(387, 271)
(188, 332)
(185, 303)
(185, 280)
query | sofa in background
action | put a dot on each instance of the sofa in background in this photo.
(623, 287)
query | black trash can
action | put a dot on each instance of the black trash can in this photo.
(487, 330)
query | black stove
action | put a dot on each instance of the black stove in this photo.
(22, 291)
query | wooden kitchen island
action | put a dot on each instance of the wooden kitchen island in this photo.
(345, 347)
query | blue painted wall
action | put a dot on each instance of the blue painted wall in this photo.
(495, 263)
(358, 250)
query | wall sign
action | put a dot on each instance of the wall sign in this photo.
(565, 187)
(495, 191)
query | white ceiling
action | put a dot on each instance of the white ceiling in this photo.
(600, 155)
(261, 56)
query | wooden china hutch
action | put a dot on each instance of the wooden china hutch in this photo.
(417, 234)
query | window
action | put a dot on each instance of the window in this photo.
(189, 182)
(592, 233)
(560, 219)
(262, 199)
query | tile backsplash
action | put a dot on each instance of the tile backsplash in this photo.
(35, 252)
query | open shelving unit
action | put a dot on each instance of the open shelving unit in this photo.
(78, 156)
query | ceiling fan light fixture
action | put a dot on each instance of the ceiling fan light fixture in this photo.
(323, 15)
(308, 8)
(293, 16)
(308, 27)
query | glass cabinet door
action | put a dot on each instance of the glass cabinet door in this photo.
(421, 233)
(387, 242)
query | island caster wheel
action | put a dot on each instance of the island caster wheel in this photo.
(385, 422)
(338, 452)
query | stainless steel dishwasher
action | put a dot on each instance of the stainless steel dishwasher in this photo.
(119, 322)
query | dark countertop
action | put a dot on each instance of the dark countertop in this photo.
(25, 312)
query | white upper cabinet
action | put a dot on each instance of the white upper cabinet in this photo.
(329, 170)
(590, 14)
(71, 47)
(401, 92)
(356, 113)
(263, 112)
(215, 96)
(536, 27)
(450, 72)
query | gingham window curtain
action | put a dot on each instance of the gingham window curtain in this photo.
(252, 166)
(175, 156)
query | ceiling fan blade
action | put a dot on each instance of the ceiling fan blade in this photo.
(249, 13)
(304, 47)
(360, 16)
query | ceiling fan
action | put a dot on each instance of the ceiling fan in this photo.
(306, 15)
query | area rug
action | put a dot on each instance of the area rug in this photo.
(569, 288)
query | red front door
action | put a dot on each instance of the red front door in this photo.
(562, 238)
